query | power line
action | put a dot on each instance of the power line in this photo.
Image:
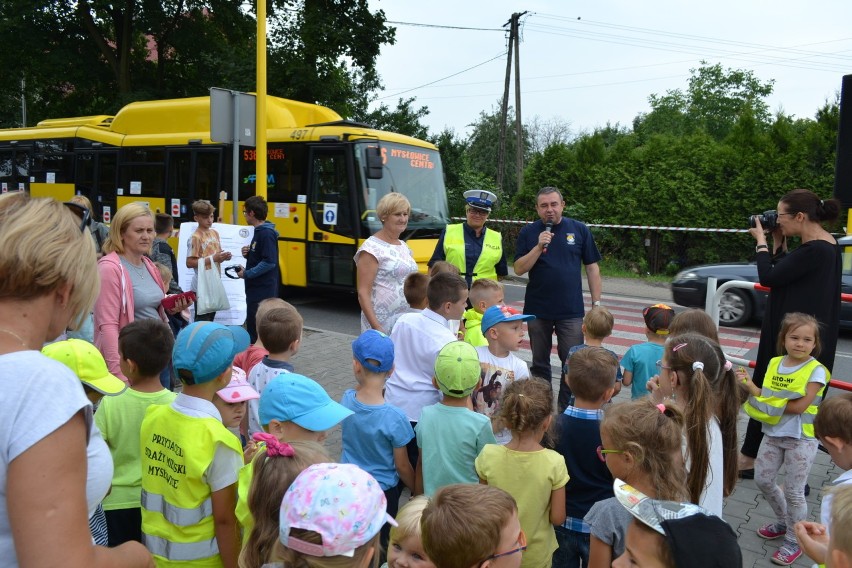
(442, 78)
(418, 25)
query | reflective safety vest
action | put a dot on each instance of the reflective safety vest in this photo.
(473, 328)
(778, 389)
(177, 509)
(492, 252)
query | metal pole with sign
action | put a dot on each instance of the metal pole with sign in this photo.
(232, 120)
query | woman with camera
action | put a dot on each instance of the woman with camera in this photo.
(805, 280)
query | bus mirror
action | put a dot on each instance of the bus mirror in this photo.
(375, 169)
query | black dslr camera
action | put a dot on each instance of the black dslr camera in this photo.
(768, 220)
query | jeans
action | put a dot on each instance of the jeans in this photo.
(573, 548)
(568, 334)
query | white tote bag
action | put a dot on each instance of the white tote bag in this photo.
(211, 291)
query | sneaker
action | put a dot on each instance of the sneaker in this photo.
(787, 554)
(771, 530)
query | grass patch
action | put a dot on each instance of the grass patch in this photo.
(614, 268)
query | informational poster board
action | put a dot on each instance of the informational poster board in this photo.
(233, 238)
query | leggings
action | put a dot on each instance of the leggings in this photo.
(797, 457)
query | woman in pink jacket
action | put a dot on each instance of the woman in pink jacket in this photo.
(131, 286)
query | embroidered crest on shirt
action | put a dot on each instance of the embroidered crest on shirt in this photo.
(570, 238)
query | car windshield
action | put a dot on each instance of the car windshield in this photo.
(412, 171)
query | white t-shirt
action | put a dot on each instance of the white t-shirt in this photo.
(99, 473)
(497, 374)
(258, 378)
(41, 395)
(712, 497)
(417, 339)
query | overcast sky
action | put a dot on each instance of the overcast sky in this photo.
(590, 62)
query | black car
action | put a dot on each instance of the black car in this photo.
(738, 306)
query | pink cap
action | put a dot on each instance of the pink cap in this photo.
(238, 390)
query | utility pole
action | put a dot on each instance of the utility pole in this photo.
(519, 134)
(513, 50)
(504, 107)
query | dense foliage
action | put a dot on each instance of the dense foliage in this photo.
(87, 57)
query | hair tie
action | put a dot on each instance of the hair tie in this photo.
(274, 448)
(728, 365)
(662, 408)
(698, 366)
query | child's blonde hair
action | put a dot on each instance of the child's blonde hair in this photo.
(841, 519)
(462, 524)
(591, 372)
(481, 290)
(165, 274)
(599, 322)
(795, 320)
(526, 405)
(273, 475)
(443, 266)
(408, 520)
(653, 438)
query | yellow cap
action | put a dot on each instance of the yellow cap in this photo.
(87, 363)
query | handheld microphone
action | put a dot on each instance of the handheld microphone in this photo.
(548, 228)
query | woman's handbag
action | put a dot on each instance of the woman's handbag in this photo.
(211, 291)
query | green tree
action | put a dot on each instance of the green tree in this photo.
(714, 99)
(483, 145)
(108, 53)
(404, 119)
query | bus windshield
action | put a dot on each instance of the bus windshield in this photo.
(416, 173)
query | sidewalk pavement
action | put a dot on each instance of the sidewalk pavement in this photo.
(326, 357)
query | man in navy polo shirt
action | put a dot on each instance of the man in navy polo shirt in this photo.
(555, 292)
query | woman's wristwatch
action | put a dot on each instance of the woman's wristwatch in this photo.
(759, 248)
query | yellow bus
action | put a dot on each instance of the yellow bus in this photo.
(160, 153)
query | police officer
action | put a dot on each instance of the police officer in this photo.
(475, 250)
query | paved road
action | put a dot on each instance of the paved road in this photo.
(331, 323)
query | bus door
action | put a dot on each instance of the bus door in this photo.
(193, 173)
(333, 225)
(95, 177)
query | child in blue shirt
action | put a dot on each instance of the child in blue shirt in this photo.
(376, 434)
(640, 361)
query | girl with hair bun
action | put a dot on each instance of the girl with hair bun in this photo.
(524, 469)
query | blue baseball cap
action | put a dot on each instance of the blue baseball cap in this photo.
(290, 397)
(480, 199)
(205, 349)
(376, 346)
(499, 314)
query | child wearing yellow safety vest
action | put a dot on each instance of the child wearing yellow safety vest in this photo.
(190, 461)
(787, 405)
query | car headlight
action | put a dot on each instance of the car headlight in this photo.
(686, 276)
